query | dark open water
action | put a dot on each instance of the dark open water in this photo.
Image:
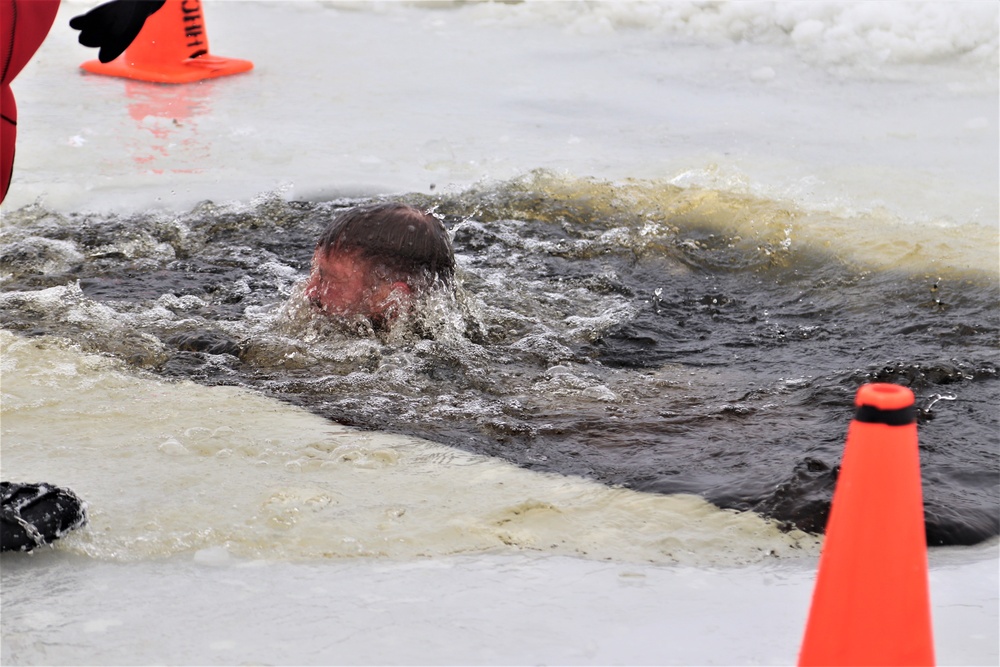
(662, 339)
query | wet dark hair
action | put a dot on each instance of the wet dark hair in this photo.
(401, 238)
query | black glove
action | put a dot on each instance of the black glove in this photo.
(113, 25)
(32, 515)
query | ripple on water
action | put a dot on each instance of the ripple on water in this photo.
(644, 335)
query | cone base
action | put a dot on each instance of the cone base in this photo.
(186, 71)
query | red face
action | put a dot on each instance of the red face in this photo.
(346, 284)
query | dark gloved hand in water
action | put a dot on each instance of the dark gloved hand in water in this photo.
(113, 25)
(33, 515)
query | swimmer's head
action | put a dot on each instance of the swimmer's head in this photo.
(375, 260)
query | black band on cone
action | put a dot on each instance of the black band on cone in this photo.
(872, 415)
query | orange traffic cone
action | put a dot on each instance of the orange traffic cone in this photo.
(172, 47)
(871, 604)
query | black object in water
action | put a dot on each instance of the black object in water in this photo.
(34, 515)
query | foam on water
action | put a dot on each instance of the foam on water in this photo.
(872, 239)
(174, 468)
(622, 331)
